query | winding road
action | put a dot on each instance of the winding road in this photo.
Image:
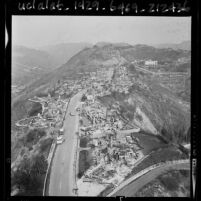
(62, 176)
(130, 189)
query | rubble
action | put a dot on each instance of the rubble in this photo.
(115, 152)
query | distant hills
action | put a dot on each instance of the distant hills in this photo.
(90, 59)
(28, 64)
(148, 99)
(149, 52)
(102, 44)
(64, 51)
(185, 45)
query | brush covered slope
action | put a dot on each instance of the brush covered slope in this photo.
(27, 64)
(148, 104)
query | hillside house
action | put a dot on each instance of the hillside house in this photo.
(151, 63)
(98, 134)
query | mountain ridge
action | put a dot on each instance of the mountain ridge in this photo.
(91, 59)
(184, 45)
(62, 52)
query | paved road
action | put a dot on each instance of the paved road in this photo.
(160, 73)
(133, 187)
(62, 178)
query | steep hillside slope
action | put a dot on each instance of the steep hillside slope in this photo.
(149, 52)
(185, 45)
(152, 104)
(27, 64)
(89, 59)
(64, 51)
(152, 110)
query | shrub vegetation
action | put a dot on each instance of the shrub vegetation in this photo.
(36, 108)
(29, 177)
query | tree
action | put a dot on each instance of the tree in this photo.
(45, 144)
(25, 165)
(40, 165)
(36, 108)
(79, 175)
(169, 182)
(33, 135)
(29, 177)
(92, 146)
(81, 122)
(132, 68)
(138, 117)
(21, 180)
(84, 98)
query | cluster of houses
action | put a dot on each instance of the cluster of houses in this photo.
(115, 150)
(53, 107)
(102, 82)
(148, 62)
(51, 115)
(122, 82)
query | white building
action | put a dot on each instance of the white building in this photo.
(151, 63)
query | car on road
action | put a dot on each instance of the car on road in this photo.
(61, 131)
(60, 141)
(72, 114)
(77, 109)
(60, 137)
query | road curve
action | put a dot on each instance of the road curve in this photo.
(130, 189)
(62, 178)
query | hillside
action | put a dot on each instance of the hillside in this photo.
(185, 45)
(89, 59)
(159, 106)
(149, 52)
(64, 51)
(27, 64)
(102, 44)
(152, 110)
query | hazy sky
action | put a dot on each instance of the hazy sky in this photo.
(34, 31)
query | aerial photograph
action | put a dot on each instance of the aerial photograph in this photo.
(101, 106)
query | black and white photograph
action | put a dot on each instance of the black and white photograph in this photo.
(101, 106)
